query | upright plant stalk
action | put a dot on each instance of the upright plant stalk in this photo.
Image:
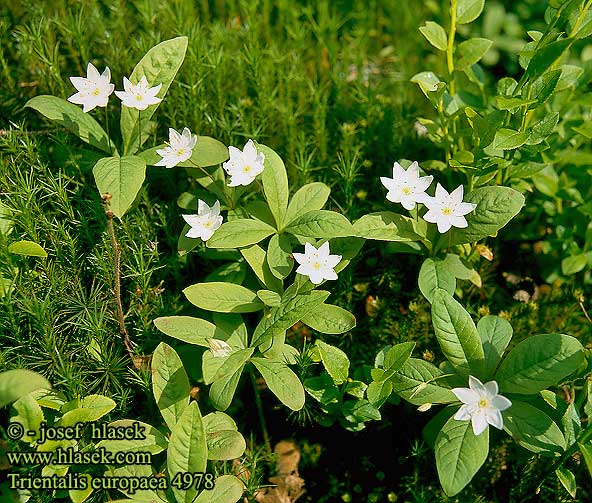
(259, 405)
(106, 199)
(450, 46)
(139, 130)
(107, 129)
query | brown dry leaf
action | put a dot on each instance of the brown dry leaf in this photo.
(289, 486)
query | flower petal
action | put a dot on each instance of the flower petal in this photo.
(492, 388)
(479, 423)
(466, 395)
(457, 194)
(494, 418)
(463, 414)
(441, 193)
(501, 402)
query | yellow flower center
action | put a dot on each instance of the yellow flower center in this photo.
(447, 211)
(207, 224)
(482, 403)
(316, 266)
(247, 168)
(97, 91)
(138, 97)
(181, 151)
(406, 191)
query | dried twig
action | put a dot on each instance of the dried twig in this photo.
(106, 199)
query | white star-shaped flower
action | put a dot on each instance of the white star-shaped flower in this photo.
(140, 95)
(406, 186)
(206, 222)
(180, 148)
(447, 210)
(481, 404)
(94, 90)
(244, 166)
(317, 264)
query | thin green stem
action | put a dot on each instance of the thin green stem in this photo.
(259, 405)
(107, 129)
(205, 172)
(139, 130)
(450, 46)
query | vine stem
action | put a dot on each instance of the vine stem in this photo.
(106, 199)
(259, 405)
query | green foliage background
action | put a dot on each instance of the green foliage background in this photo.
(326, 84)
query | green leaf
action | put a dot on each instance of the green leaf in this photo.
(435, 35)
(30, 415)
(428, 83)
(459, 454)
(538, 362)
(239, 233)
(159, 66)
(207, 152)
(257, 259)
(311, 196)
(224, 440)
(92, 408)
(322, 389)
(223, 297)
(457, 334)
(279, 255)
(508, 139)
(511, 103)
(227, 489)
(388, 226)
(320, 224)
(189, 329)
(269, 298)
(81, 495)
(545, 57)
(378, 392)
(471, 51)
(586, 450)
(122, 177)
(282, 317)
(543, 87)
(74, 119)
(495, 334)
(435, 274)
(222, 391)
(574, 264)
(232, 272)
(468, 10)
(282, 382)
(275, 184)
(217, 368)
(335, 361)
(395, 358)
(170, 384)
(496, 206)
(188, 450)
(330, 319)
(27, 248)
(542, 129)
(154, 441)
(533, 429)
(568, 480)
(421, 382)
